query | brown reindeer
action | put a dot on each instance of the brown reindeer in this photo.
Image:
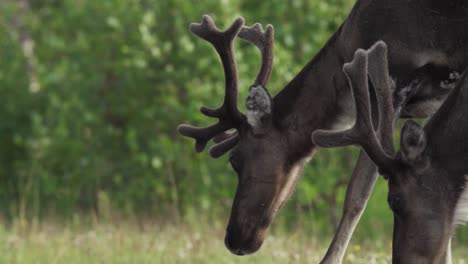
(271, 143)
(427, 178)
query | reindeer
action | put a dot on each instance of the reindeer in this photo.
(427, 177)
(271, 142)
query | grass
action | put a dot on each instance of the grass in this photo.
(128, 242)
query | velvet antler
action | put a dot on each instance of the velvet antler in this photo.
(363, 132)
(228, 114)
(263, 40)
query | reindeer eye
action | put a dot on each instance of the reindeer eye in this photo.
(395, 203)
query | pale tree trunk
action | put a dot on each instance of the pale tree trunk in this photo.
(18, 25)
(26, 41)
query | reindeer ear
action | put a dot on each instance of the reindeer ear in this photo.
(412, 142)
(259, 109)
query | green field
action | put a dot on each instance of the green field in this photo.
(151, 242)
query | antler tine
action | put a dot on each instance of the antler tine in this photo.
(208, 31)
(228, 114)
(203, 135)
(223, 136)
(225, 141)
(264, 42)
(219, 149)
(379, 76)
(362, 133)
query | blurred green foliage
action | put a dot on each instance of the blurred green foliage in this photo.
(116, 77)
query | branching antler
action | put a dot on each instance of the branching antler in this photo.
(363, 133)
(264, 42)
(228, 114)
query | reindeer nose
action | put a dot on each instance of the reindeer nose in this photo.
(233, 242)
(239, 245)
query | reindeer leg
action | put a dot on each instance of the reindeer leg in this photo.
(361, 185)
(357, 194)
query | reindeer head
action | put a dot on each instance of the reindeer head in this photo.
(423, 192)
(422, 197)
(262, 154)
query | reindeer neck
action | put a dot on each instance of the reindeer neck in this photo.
(313, 99)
